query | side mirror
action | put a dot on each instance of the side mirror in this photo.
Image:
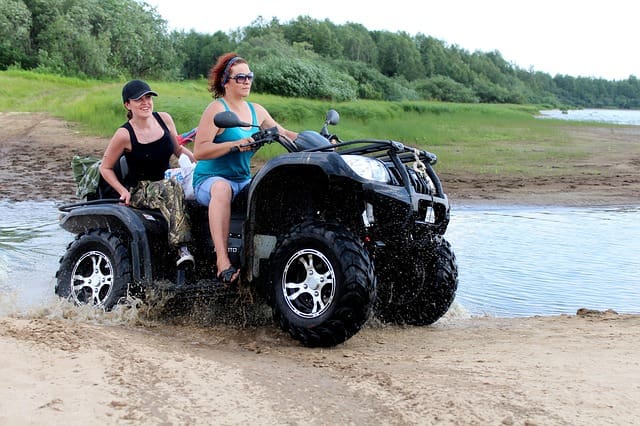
(227, 119)
(332, 117)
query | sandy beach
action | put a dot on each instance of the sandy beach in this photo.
(61, 365)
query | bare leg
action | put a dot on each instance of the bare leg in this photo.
(219, 219)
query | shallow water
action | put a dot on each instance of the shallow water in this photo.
(524, 261)
(612, 116)
(31, 243)
(513, 261)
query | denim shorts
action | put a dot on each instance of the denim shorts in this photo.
(203, 190)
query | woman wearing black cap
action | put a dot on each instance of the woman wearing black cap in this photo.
(147, 140)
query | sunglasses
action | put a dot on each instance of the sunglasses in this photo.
(242, 78)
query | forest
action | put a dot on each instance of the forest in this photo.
(304, 57)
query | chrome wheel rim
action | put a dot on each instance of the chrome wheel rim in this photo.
(308, 283)
(92, 279)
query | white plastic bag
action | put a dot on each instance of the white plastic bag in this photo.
(184, 176)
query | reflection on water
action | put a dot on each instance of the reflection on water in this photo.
(517, 261)
(534, 261)
(612, 116)
(31, 243)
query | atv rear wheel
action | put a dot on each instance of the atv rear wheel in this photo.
(95, 270)
(419, 287)
(323, 284)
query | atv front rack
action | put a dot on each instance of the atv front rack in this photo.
(404, 153)
(397, 155)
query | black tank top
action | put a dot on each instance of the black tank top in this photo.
(148, 161)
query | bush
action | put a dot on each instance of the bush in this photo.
(303, 79)
(441, 88)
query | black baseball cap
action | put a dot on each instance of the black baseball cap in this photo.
(135, 89)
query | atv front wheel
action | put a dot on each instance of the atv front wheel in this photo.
(419, 286)
(323, 284)
(95, 270)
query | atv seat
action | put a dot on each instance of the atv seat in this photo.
(199, 217)
(238, 206)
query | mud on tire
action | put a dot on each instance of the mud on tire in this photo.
(419, 286)
(322, 283)
(95, 270)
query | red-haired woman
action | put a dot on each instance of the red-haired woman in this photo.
(220, 173)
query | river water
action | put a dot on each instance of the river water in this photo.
(513, 261)
(516, 261)
(523, 261)
(612, 116)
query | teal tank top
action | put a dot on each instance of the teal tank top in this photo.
(235, 166)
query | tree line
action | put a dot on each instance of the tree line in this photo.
(304, 57)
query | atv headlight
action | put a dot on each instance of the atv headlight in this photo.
(368, 168)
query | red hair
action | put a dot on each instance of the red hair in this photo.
(219, 72)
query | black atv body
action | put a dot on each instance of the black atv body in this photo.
(325, 234)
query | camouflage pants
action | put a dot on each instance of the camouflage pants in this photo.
(168, 197)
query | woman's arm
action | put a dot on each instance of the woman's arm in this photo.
(203, 148)
(117, 146)
(266, 122)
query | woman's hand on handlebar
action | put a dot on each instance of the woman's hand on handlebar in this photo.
(246, 144)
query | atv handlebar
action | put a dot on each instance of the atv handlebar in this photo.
(259, 139)
(228, 119)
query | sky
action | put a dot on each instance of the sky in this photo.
(595, 39)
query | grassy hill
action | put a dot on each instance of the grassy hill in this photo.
(475, 138)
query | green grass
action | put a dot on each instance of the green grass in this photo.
(478, 138)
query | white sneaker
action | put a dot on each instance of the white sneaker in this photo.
(184, 256)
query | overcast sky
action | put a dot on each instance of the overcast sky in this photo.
(577, 38)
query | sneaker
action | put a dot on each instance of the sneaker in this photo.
(184, 256)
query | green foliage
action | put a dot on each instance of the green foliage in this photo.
(121, 39)
(480, 138)
(442, 88)
(319, 35)
(300, 78)
(371, 83)
(398, 55)
(98, 39)
(270, 44)
(15, 22)
(198, 52)
(357, 44)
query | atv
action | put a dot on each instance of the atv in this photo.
(327, 234)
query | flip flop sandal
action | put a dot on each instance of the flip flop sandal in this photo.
(226, 276)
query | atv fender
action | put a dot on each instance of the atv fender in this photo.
(261, 222)
(118, 218)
